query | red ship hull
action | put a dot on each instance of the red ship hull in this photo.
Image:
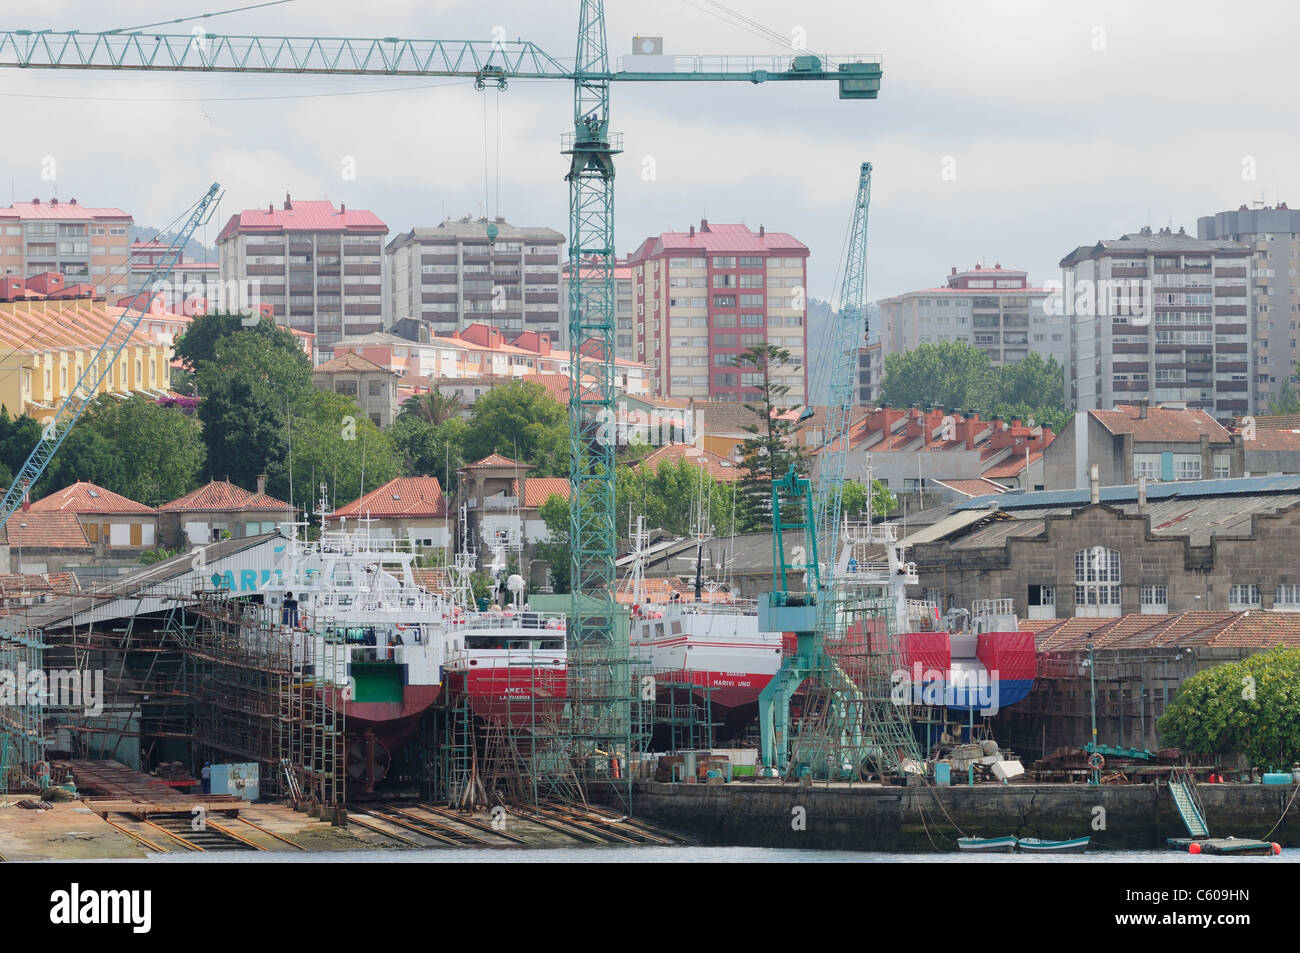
(519, 696)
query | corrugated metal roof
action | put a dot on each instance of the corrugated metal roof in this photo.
(1124, 494)
(949, 524)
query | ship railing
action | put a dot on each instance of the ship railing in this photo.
(497, 621)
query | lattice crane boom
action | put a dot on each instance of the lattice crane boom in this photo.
(101, 364)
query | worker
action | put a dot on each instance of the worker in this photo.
(206, 775)
(289, 614)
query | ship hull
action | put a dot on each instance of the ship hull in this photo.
(520, 697)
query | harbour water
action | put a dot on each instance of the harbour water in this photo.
(700, 855)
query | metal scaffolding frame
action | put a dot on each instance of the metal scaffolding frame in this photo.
(22, 718)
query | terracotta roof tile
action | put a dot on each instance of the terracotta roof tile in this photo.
(404, 497)
(84, 497)
(496, 460)
(351, 361)
(1162, 425)
(979, 487)
(46, 529)
(1011, 467)
(222, 495)
(716, 466)
(537, 490)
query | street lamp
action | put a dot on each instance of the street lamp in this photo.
(1093, 754)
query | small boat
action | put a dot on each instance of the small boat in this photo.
(986, 845)
(1035, 845)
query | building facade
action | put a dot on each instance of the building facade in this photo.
(317, 266)
(624, 309)
(458, 274)
(703, 297)
(374, 388)
(1161, 316)
(85, 245)
(993, 309)
(1273, 234)
(192, 287)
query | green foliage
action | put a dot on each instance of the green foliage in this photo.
(1251, 706)
(198, 345)
(669, 498)
(770, 452)
(430, 450)
(556, 553)
(1286, 401)
(334, 442)
(955, 375)
(524, 422)
(434, 407)
(853, 503)
(247, 386)
(146, 452)
(157, 556)
(18, 437)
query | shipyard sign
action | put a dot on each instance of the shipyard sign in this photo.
(248, 579)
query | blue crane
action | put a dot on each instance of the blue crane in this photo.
(99, 367)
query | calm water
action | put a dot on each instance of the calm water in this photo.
(695, 855)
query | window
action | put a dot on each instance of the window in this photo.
(1222, 466)
(1155, 600)
(1096, 582)
(1187, 466)
(1243, 597)
(376, 388)
(1042, 602)
(1146, 465)
(1287, 597)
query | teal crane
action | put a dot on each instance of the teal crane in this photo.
(591, 148)
(101, 365)
(811, 616)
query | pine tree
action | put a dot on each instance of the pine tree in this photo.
(770, 452)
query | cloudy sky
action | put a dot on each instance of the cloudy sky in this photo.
(1006, 130)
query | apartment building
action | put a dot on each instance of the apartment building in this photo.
(871, 372)
(624, 309)
(191, 287)
(84, 244)
(704, 296)
(45, 346)
(317, 266)
(477, 271)
(994, 309)
(1162, 316)
(1273, 234)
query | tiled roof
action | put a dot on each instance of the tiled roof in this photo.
(537, 490)
(738, 239)
(496, 460)
(718, 467)
(404, 496)
(302, 217)
(15, 585)
(67, 211)
(353, 362)
(1272, 421)
(29, 326)
(222, 495)
(1273, 440)
(435, 579)
(1244, 629)
(46, 529)
(1162, 425)
(84, 497)
(713, 417)
(979, 487)
(1011, 466)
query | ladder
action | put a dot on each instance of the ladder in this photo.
(1188, 804)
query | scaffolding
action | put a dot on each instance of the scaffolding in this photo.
(273, 694)
(23, 693)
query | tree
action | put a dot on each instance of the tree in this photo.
(434, 407)
(135, 447)
(18, 438)
(669, 498)
(770, 453)
(252, 379)
(556, 553)
(198, 345)
(429, 450)
(524, 422)
(1286, 401)
(1032, 382)
(333, 442)
(1251, 706)
(947, 374)
(854, 501)
(157, 556)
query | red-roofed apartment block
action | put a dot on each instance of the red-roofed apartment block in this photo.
(87, 246)
(704, 296)
(317, 265)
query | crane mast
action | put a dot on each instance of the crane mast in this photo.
(101, 365)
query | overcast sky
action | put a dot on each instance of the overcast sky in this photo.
(1060, 124)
